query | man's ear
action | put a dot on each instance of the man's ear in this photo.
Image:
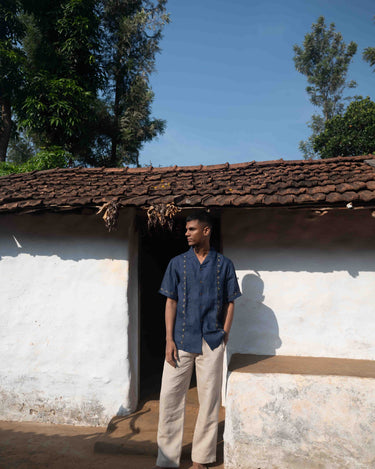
(207, 231)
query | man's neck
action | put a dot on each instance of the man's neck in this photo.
(201, 251)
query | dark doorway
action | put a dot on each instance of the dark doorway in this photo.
(156, 248)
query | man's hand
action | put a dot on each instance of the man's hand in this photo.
(171, 353)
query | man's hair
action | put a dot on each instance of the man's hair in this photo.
(202, 217)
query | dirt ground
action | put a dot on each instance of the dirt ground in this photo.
(29, 445)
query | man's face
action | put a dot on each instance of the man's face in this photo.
(196, 233)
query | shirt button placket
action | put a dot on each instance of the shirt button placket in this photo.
(218, 289)
(184, 304)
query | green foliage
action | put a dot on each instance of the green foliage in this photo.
(55, 110)
(63, 74)
(77, 75)
(11, 56)
(10, 168)
(63, 39)
(12, 60)
(351, 134)
(324, 59)
(135, 124)
(20, 149)
(132, 32)
(369, 55)
(307, 146)
(54, 157)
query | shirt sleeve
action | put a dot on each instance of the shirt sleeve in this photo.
(169, 284)
(232, 290)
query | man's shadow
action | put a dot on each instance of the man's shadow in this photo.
(255, 329)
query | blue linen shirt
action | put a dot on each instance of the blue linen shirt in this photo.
(201, 292)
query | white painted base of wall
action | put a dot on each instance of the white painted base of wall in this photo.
(292, 421)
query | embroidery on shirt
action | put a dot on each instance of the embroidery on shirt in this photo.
(163, 289)
(218, 302)
(184, 304)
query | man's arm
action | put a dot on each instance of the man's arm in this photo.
(171, 354)
(228, 319)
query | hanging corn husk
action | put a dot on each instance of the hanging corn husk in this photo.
(111, 214)
(162, 215)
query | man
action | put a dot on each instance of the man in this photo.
(200, 286)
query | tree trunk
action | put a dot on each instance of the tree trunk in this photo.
(5, 127)
(116, 112)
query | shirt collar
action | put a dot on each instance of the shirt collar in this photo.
(210, 256)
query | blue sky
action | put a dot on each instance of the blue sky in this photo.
(226, 83)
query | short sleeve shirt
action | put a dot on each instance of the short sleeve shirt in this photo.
(201, 292)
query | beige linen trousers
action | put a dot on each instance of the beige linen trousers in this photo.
(175, 384)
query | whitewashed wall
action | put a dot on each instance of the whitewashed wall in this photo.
(64, 319)
(308, 290)
(307, 282)
(282, 421)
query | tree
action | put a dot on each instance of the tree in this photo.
(63, 73)
(85, 68)
(132, 32)
(352, 133)
(369, 55)
(324, 59)
(11, 68)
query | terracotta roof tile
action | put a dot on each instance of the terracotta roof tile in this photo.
(286, 199)
(334, 197)
(318, 197)
(304, 198)
(188, 200)
(219, 200)
(343, 187)
(278, 183)
(166, 199)
(357, 185)
(350, 196)
(366, 196)
(292, 190)
(323, 188)
(271, 199)
(139, 200)
(248, 200)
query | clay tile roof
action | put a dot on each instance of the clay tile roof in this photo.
(330, 182)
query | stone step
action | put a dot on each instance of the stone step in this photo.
(136, 433)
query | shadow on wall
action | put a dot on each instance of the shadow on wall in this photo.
(312, 260)
(69, 236)
(300, 241)
(255, 328)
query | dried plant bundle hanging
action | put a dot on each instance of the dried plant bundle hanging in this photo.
(111, 215)
(162, 215)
